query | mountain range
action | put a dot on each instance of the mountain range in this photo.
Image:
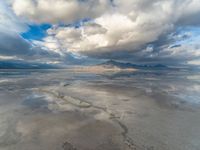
(24, 65)
(123, 65)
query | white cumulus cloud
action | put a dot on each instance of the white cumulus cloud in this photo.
(115, 27)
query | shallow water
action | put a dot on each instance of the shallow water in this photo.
(64, 110)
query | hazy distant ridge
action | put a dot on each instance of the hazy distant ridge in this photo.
(122, 65)
(24, 65)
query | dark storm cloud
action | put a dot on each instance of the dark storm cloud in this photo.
(13, 45)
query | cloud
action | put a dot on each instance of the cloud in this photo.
(13, 45)
(188, 12)
(7, 57)
(51, 11)
(194, 62)
(8, 21)
(110, 32)
(128, 28)
(132, 30)
(10, 41)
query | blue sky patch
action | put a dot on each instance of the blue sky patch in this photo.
(36, 32)
(189, 35)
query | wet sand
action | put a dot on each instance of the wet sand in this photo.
(62, 110)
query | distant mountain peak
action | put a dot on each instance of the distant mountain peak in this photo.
(123, 65)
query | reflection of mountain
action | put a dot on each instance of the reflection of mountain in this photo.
(112, 63)
(24, 65)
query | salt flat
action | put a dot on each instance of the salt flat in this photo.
(70, 110)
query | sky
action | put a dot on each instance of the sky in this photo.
(71, 32)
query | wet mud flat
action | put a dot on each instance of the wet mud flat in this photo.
(72, 111)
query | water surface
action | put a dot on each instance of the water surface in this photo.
(68, 110)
